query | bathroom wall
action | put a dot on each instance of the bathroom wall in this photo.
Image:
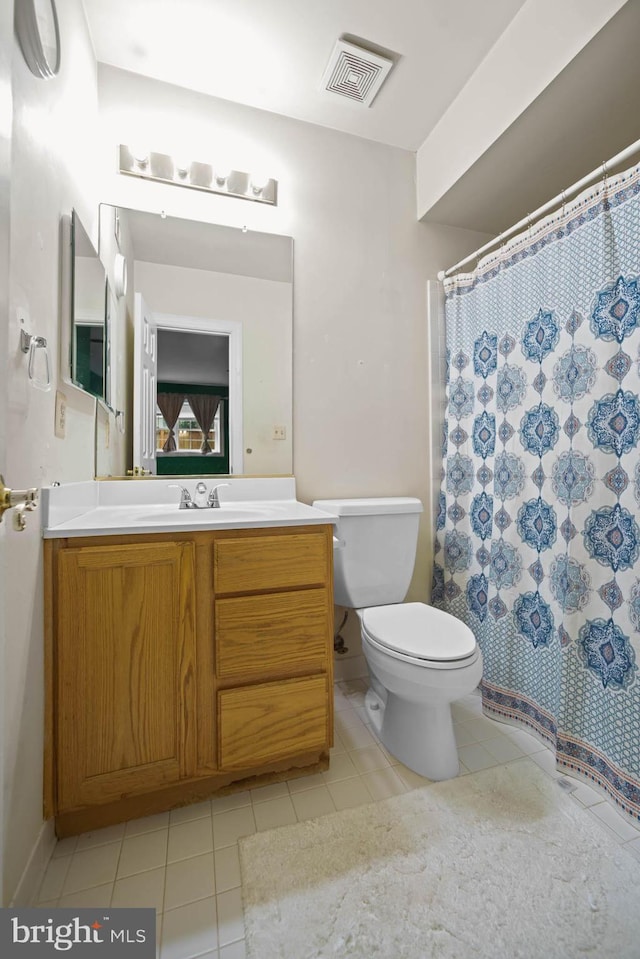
(361, 262)
(53, 170)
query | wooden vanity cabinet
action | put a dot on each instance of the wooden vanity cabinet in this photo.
(181, 665)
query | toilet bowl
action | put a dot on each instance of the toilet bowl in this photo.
(420, 660)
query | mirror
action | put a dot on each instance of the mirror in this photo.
(204, 331)
(90, 368)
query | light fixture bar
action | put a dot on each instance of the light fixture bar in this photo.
(164, 168)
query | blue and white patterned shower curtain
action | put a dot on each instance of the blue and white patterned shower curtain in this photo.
(538, 543)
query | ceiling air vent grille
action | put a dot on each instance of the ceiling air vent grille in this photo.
(355, 73)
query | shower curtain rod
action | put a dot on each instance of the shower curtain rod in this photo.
(560, 198)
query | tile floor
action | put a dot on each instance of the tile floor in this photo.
(185, 863)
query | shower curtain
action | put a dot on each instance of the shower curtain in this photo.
(538, 532)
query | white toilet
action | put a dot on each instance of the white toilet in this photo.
(420, 659)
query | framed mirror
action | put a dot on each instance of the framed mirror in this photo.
(89, 346)
(207, 320)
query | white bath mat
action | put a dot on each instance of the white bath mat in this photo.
(498, 865)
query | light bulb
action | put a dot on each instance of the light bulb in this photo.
(258, 182)
(140, 154)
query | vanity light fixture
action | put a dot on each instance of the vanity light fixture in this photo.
(196, 175)
(140, 156)
(258, 182)
(183, 167)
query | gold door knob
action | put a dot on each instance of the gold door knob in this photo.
(23, 498)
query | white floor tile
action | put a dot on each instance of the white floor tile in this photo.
(98, 896)
(357, 737)
(190, 930)
(232, 801)
(144, 890)
(230, 917)
(341, 768)
(347, 718)
(338, 745)
(609, 815)
(139, 853)
(305, 782)
(227, 868)
(584, 793)
(273, 791)
(229, 826)
(313, 803)
(54, 878)
(383, 783)
(148, 824)
(188, 839)
(411, 779)
(198, 810)
(273, 813)
(189, 880)
(464, 734)
(349, 793)
(367, 759)
(100, 837)
(92, 867)
(476, 757)
(65, 847)
(546, 760)
(503, 749)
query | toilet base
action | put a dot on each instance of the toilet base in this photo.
(419, 736)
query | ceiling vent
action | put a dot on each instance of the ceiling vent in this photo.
(355, 73)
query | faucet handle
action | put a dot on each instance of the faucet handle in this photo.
(214, 499)
(185, 495)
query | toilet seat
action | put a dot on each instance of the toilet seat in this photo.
(420, 634)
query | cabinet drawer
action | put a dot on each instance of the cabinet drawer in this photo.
(265, 723)
(270, 562)
(278, 634)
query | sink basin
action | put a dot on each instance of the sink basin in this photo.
(207, 517)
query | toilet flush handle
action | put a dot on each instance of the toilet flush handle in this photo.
(338, 543)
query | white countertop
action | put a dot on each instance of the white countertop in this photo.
(111, 507)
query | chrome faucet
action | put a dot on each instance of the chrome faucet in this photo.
(214, 501)
(185, 496)
(200, 500)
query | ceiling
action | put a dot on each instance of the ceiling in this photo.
(586, 116)
(271, 54)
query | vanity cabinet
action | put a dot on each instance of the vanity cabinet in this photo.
(182, 665)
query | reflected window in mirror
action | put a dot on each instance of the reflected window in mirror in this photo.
(182, 445)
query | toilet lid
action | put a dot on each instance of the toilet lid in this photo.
(420, 631)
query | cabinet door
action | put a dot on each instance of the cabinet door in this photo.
(272, 721)
(125, 670)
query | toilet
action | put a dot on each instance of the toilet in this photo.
(420, 659)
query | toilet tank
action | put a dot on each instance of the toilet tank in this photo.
(376, 549)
